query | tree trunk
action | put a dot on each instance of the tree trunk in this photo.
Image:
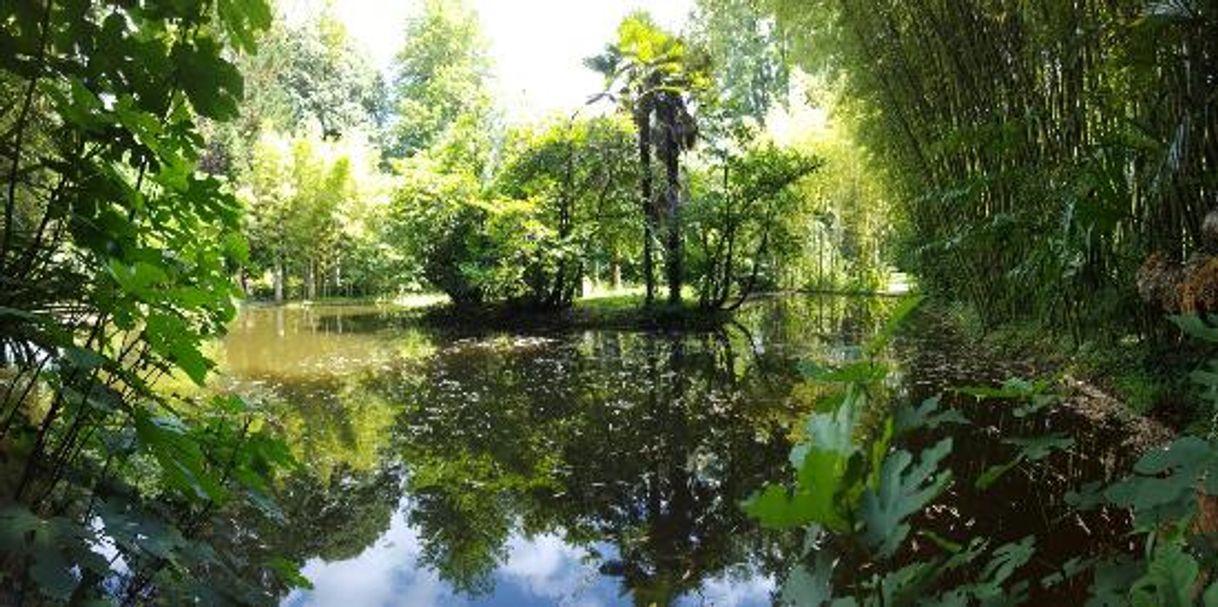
(820, 261)
(310, 281)
(277, 278)
(671, 152)
(642, 121)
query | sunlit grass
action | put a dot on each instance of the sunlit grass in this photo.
(419, 300)
(624, 299)
(610, 292)
(899, 283)
(406, 300)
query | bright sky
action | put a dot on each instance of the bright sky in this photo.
(538, 45)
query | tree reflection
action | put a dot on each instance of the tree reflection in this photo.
(636, 447)
(344, 494)
(644, 441)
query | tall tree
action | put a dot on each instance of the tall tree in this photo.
(748, 56)
(440, 75)
(305, 198)
(678, 132)
(649, 72)
(306, 76)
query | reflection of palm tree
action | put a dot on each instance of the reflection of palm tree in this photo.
(662, 567)
(646, 442)
(598, 438)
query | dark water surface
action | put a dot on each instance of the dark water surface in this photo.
(457, 467)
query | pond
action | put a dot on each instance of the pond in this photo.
(453, 466)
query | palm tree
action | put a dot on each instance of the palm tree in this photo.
(649, 72)
(678, 132)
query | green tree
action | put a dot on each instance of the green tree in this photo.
(580, 174)
(742, 215)
(268, 195)
(853, 216)
(315, 208)
(442, 222)
(440, 75)
(748, 62)
(678, 132)
(304, 77)
(316, 78)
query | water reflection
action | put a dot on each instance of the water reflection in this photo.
(282, 345)
(589, 468)
(544, 569)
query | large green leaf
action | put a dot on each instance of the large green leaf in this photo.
(179, 454)
(903, 489)
(812, 588)
(1169, 581)
(928, 415)
(1030, 450)
(814, 500)
(1193, 326)
(1165, 480)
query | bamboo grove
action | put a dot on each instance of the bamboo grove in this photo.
(1044, 150)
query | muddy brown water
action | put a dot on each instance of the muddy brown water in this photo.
(453, 466)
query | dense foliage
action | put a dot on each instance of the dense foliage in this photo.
(313, 217)
(355, 187)
(868, 477)
(746, 218)
(304, 154)
(577, 177)
(440, 76)
(116, 262)
(1042, 151)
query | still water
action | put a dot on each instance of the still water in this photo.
(452, 466)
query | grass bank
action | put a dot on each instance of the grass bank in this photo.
(625, 311)
(1147, 379)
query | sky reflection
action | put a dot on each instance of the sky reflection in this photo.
(542, 570)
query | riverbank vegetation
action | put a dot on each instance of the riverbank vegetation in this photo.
(1046, 172)
(1048, 158)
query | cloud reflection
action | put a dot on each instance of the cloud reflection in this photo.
(384, 574)
(748, 590)
(542, 570)
(548, 568)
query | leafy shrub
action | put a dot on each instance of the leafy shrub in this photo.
(116, 262)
